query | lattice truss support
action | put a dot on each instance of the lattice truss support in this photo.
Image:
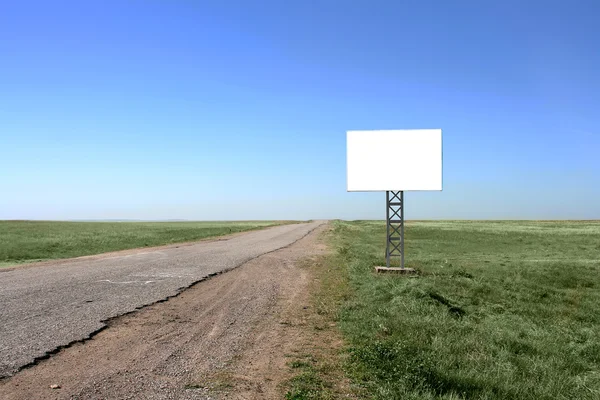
(395, 226)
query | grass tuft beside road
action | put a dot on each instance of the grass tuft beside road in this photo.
(29, 241)
(318, 367)
(500, 310)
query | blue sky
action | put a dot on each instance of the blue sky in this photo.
(238, 109)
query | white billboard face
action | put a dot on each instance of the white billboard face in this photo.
(394, 160)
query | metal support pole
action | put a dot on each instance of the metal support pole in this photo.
(394, 226)
(402, 227)
(387, 228)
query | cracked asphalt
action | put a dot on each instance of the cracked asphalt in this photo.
(47, 306)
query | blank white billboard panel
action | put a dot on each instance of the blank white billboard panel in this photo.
(394, 160)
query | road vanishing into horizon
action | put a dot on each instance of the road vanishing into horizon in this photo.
(53, 304)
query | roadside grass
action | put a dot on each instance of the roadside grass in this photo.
(309, 382)
(318, 367)
(29, 241)
(499, 310)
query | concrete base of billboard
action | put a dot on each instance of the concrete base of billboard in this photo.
(396, 270)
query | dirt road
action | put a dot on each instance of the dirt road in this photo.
(49, 306)
(225, 337)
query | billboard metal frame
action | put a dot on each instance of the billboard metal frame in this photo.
(418, 166)
(394, 227)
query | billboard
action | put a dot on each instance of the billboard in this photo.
(394, 160)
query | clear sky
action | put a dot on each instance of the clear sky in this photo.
(238, 109)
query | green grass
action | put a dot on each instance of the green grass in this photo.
(499, 310)
(318, 365)
(28, 241)
(309, 382)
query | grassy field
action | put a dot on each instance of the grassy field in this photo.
(499, 310)
(28, 241)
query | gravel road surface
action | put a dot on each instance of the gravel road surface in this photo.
(45, 307)
(231, 337)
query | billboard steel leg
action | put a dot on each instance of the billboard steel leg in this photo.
(394, 226)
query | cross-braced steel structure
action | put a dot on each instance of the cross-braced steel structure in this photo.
(395, 226)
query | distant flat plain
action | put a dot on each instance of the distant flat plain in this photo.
(30, 241)
(498, 310)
